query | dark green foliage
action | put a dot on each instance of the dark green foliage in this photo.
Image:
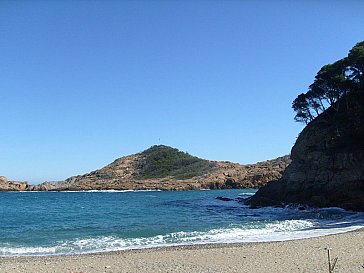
(356, 69)
(302, 107)
(332, 83)
(162, 161)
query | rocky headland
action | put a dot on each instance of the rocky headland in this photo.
(327, 166)
(165, 168)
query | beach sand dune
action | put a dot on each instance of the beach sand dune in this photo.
(305, 255)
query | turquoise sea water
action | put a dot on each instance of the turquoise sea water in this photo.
(48, 223)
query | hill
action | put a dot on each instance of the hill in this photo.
(163, 161)
(166, 168)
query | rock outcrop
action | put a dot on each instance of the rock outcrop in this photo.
(165, 168)
(327, 166)
(6, 185)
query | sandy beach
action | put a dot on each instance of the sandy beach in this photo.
(305, 255)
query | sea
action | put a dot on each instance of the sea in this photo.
(55, 223)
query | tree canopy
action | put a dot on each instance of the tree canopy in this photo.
(332, 83)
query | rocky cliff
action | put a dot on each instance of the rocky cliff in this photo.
(165, 168)
(327, 166)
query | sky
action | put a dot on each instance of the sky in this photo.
(85, 82)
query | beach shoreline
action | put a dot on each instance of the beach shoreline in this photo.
(300, 255)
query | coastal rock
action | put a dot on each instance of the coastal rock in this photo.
(3, 179)
(3, 182)
(6, 185)
(327, 166)
(224, 198)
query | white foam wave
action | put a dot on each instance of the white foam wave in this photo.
(247, 194)
(111, 191)
(24, 251)
(263, 232)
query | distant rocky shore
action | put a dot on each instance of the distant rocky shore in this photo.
(6, 185)
(164, 168)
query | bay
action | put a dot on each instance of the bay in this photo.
(52, 223)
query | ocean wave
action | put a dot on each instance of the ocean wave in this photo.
(246, 194)
(27, 251)
(259, 232)
(111, 191)
(80, 191)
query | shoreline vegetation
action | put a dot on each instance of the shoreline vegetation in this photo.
(303, 255)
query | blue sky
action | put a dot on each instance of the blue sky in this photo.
(85, 82)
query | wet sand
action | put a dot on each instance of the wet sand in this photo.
(305, 255)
